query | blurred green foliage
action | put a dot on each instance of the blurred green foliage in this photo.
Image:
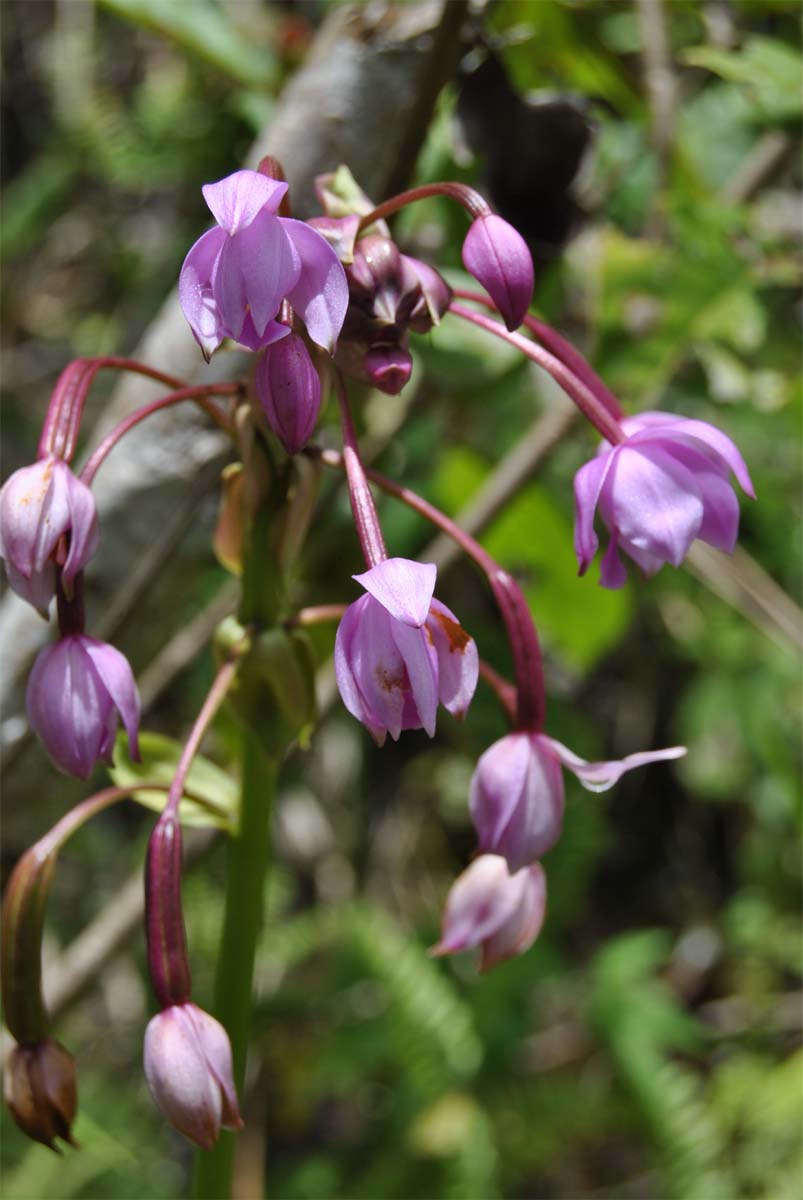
(647, 1046)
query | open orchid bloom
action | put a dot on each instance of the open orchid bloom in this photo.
(75, 691)
(494, 909)
(399, 652)
(666, 485)
(236, 276)
(40, 505)
(189, 1071)
(517, 792)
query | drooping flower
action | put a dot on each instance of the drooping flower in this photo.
(399, 652)
(188, 1068)
(41, 1091)
(490, 908)
(236, 276)
(517, 796)
(76, 690)
(666, 485)
(40, 505)
(498, 257)
(289, 391)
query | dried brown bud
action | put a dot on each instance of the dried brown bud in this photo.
(41, 1091)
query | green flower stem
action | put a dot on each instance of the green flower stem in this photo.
(242, 923)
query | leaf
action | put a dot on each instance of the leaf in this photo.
(203, 29)
(770, 70)
(210, 796)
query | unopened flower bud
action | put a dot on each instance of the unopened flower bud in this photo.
(39, 506)
(289, 391)
(188, 1067)
(41, 1091)
(497, 256)
(388, 368)
(382, 281)
(76, 689)
(490, 908)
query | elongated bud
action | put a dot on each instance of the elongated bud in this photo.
(41, 1091)
(289, 391)
(188, 1067)
(164, 921)
(498, 257)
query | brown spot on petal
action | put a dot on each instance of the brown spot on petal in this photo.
(388, 682)
(456, 635)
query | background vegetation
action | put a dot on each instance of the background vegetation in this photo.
(648, 1045)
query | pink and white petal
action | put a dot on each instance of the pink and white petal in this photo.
(379, 669)
(118, 680)
(236, 200)
(497, 787)
(652, 500)
(321, 295)
(480, 901)
(217, 1051)
(588, 483)
(269, 265)
(196, 292)
(346, 683)
(520, 931)
(720, 524)
(228, 289)
(421, 664)
(38, 588)
(274, 332)
(599, 776)
(403, 587)
(458, 660)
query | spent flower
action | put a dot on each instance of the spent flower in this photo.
(41, 1091)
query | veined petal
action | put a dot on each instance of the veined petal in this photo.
(347, 685)
(720, 524)
(669, 429)
(403, 587)
(421, 664)
(84, 532)
(652, 500)
(269, 265)
(378, 668)
(196, 293)
(458, 660)
(321, 294)
(236, 200)
(599, 776)
(588, 484)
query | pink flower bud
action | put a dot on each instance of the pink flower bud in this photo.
(490, 908)
(40, 505)
(189, 1072)
(497, 256)
(289, 391)
(388, 368)
(41, 1092)
(76, 689)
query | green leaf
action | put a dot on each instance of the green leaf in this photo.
(770, 70)
(203, 29)
(210, 797)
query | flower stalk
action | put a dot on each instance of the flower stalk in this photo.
(362, 502)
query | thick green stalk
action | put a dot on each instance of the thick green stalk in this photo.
(245, 884)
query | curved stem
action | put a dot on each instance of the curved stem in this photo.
(531, 701)
(561, 348)
(248, 855)
(316, 614)
(366, 520)
(589, 404)
(215, 697)
(60, 430)
(472, 201)
(199, 394)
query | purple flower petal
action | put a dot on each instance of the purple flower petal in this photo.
(652, 500)
(346, 682)
(481, 900)
(269, 265)
(612, 573)
(84, 532)
(458, 660)
(517, 798)
(217, 1051)
(403, 587)
(118, 680)
(421, 665)
(692, 432)
(196, 294)
(588, 483)
(498, 257)
(518, 933)
(321, 294)
(378, 668)
(599, 776)
(236, 200)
